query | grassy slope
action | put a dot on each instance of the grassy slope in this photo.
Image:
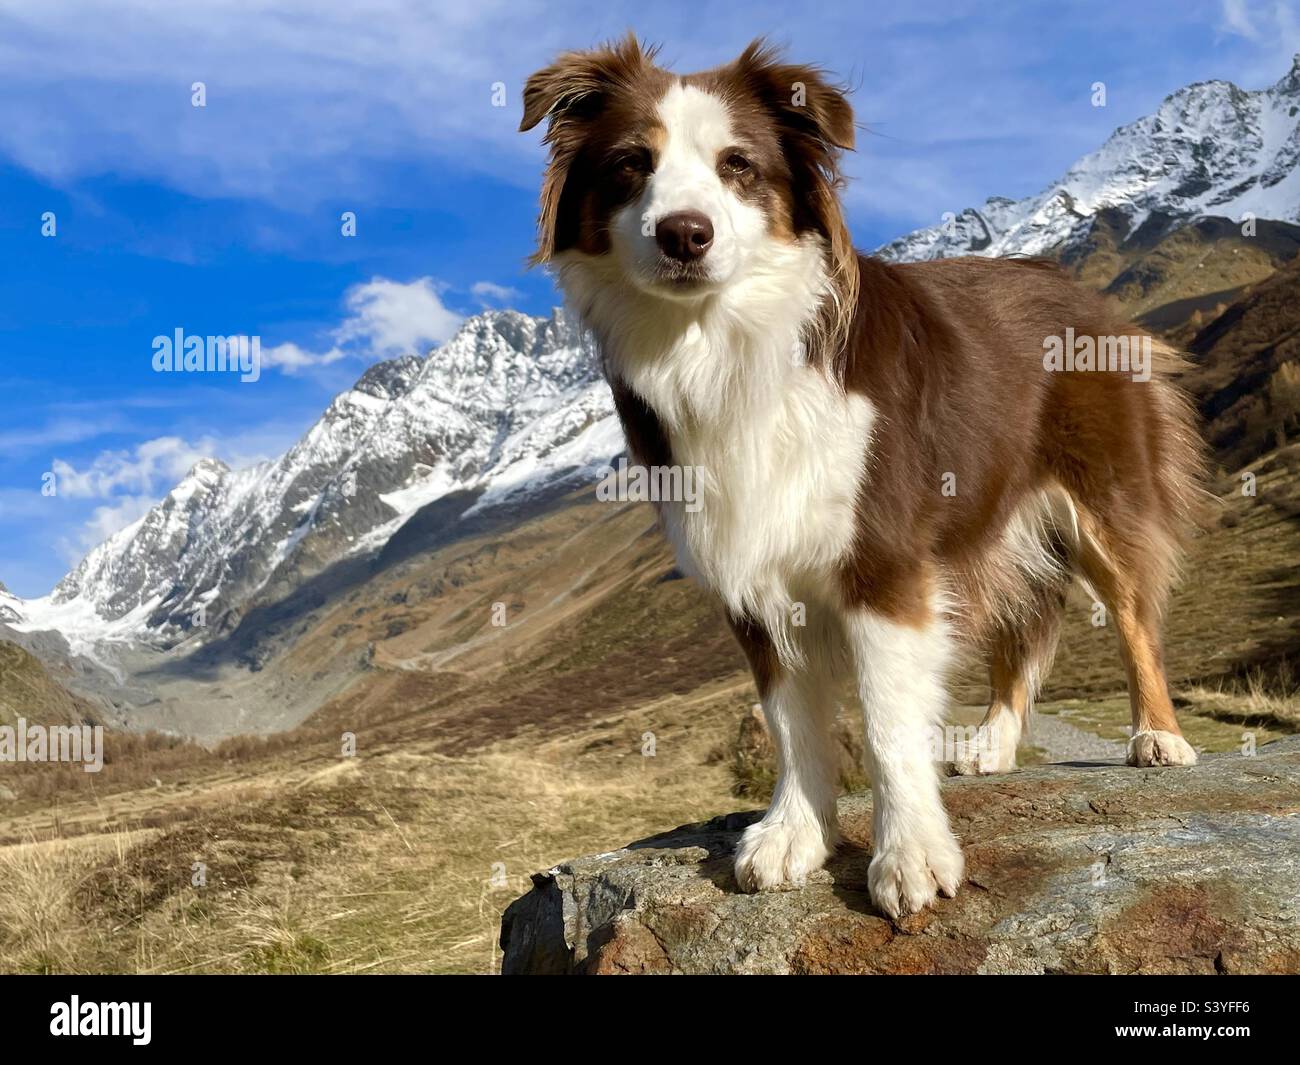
(27, 690)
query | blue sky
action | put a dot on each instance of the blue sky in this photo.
(226, 218)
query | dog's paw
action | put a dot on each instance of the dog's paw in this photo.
(991, 750)
(903, 879)
(776, 854)
(1160, 748)
(981, 761)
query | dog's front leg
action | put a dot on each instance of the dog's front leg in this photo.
(801, 828)
(901, 670)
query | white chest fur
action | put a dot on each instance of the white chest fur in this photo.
(776, 448)
(777, 470)
(777, 452)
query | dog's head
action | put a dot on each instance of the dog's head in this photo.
(682, 184)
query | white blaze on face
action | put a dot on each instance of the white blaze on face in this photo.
(697, 128)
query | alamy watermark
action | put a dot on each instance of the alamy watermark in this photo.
(179, 353)
(650, 484)
(22, 742)
(960, 743)
(1116, 354)
(77, 1018)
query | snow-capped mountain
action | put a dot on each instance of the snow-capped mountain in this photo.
(510, 405)
(1211, 149)
(11, 607)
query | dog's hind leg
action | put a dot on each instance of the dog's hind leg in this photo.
(800, 829)
(1020, 654)
(1133, 589)
(1128, 454)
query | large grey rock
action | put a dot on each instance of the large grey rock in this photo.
(1077, 868)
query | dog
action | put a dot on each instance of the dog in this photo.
(891, 467)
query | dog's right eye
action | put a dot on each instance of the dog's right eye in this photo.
(631, 164)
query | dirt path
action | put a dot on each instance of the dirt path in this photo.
(1062, 742)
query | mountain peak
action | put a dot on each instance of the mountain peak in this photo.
(204, 476)
(1289, 83)
(391, 378)
(208, 467)
(1210, 149)
(512, 404)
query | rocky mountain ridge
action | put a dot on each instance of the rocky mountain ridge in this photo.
(512, 405)
(1210, 150)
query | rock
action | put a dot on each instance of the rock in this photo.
(1073, 868)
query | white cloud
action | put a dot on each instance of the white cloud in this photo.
(1272, 29)
(105, 521)
(63, 430)
(301, 97)
(290, 358)
(312, 100)
(387, 318)
(154, 464)
(1237, 19)
(490, 292)
(393, 318)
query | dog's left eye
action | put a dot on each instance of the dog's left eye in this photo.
(737, 164)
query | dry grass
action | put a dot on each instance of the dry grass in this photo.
(399, 862)
(132, 761)
(1262, 696)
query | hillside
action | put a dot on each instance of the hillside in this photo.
(1247, 375)
(605, 710)
(27, 690)
(1192, 271)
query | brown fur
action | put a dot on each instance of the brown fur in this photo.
(950, 353)
(599, 104)
(759, 652)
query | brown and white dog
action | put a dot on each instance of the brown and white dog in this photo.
(888, 467)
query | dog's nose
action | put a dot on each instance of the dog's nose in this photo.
(684, 236)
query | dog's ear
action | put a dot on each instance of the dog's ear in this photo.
(802, 98)
(573, 81)
(815, 123)
(568, 94)
(577, 82)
